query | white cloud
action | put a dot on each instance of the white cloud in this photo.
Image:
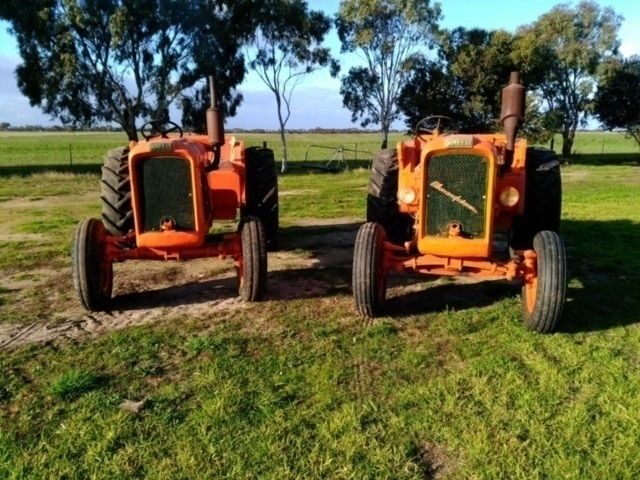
(630, 47)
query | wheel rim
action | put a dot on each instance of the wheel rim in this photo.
(530, 294)
(381, 273)
(105, 267)
(239, 277)
(381, 281)
(106, 279)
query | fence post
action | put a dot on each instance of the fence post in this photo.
(70, 156)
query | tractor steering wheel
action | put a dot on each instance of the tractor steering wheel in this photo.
(432, 124)
(159, 128)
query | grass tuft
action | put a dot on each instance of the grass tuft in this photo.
(76, 382)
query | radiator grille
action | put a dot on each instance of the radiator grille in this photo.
(165, 191)
(456, 193)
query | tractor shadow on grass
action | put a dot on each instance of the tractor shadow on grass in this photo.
(603, 281)
(603, 292)
(331, 248)
(320, 256)
(596, 159)
(604, 275)
(447, 294)
(185, 294)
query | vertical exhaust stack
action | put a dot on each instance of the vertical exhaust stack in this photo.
(512, 116)
(215, 123)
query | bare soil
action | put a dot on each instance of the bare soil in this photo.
(312, 266)
(149, 292)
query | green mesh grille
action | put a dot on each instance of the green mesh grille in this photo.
(165, 191)
(456, 193)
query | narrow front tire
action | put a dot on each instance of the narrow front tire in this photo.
(369, 276)
(253, 273)
(92, 271)
(543, 297)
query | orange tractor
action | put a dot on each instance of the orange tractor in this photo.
(160, 198)
(437, 202)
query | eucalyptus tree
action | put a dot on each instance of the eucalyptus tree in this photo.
(93, 61)
(562, 53)
(618, 95)
(390, 37)
(286, 47)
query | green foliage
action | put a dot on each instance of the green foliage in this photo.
(465, 83)
(618, 96)
(287, 46)
(115, 61)
(560, 54)
(390, 36)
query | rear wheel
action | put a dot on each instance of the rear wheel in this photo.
(543, 198)
(369, 277)
(92, 273)
(543, 297)
(262, 191)
(253, 274)
(382, 198)
(117, 214)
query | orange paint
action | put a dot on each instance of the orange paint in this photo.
(216, 195)
(454, 254)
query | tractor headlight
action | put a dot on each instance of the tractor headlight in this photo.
(407, 195)
(509, 197)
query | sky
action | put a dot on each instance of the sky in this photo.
(317, 101)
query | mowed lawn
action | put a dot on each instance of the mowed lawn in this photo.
(451, 386)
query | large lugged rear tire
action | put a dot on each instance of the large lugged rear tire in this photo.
(117, 214)
(543, 198)
(253, 277)
(92, 275)
(543, 298)
(262, 191)
(382, 198)
(369, 278)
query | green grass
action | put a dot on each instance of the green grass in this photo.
(74, 383)
(28, 152)
(449, 383)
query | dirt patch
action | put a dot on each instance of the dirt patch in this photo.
(322, 222)
(316, 265)
(299, 192)
(435, 462)
(25, 280)
(132, 309)
(23, 203)
(25, 237)
(149, 292)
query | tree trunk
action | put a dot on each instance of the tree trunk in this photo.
(385, 136)
(568, 135)
(283, 137)
(129, 127)
(285, 155)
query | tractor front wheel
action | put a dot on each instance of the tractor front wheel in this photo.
(543, 296)
(92, 273)
(253, 273)
(369, 273)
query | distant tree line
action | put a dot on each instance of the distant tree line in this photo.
(95, 63)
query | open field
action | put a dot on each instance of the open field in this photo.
(59, 150)
(449, 385)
